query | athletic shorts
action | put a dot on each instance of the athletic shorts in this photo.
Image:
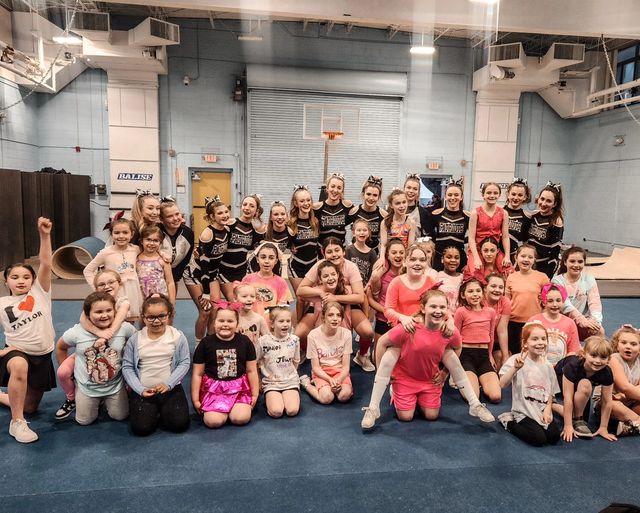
(41, 376)
(333, 372)
(476, 360)
(406, 392)
(382, 327)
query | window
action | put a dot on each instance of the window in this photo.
(628, 69)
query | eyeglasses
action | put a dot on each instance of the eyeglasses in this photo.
(106, 284)
(159, 317)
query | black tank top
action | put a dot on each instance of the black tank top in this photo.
(333, 221)
(211, 253)
(374, 219)
(519, 224)
(243, 237)
(281, 239)
(547, 239)
(304, 244)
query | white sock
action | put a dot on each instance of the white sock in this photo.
(383, 375)
(459, 375)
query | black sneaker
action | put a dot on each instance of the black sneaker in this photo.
(66, 409)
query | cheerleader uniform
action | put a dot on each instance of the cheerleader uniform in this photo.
(547, 239)
(374, 219)
(304, 250)
(333, 221)
(211, 252)
(446, 229)
(179, 248)
(281, 239)
(519, 223)
(243, 237)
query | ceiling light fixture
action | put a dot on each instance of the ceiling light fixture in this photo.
(244, 37)
(422, 49)
(67, 40)
(486, 2)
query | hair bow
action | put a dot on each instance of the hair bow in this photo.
(374, 180)
(339, 176)
(208, 200)
(536, 323)
(523, 181)
(223, 304)
(115, 217)
(414, 176)
(556, 186)
(629, 326)
(257, 196)
(451, 181)
(553, 286)
(297, 188)
(422, 240)
(140, 193)
(167, 199)
(284, 306)
(276, 202)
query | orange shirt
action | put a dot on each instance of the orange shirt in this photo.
(524, 291)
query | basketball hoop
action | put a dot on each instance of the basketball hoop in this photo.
(332, 136)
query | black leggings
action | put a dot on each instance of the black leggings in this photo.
(528, 430)
(172, 409)
(514, 330)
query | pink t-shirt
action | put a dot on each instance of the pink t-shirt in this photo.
(329, 350)
(402, 299)
(524, 290)
(451, 287)
(382, 295)
(270, 291)
(502, 307)
(349, 271)
(420, 352)
(476, 326)
(562, 335)
(317, 310)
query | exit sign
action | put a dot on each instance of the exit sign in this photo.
(210, 159)
(433, 166)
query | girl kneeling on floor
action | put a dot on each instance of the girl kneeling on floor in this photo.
(154, 363)
(533, 385)
(225, 384)
(98, 365)
(278, 358)
(418, 378)
(329, 349)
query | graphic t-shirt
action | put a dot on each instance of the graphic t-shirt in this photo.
(562, 336)
(26, 320)
(270, 291)
(277, 359)
(531, 388)
(224, 360)
(329, 349)
(98, 367)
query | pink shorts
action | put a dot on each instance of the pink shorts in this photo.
(220, 396)
(406, 392)
(333, 372)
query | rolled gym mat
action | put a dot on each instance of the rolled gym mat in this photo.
(70, 260)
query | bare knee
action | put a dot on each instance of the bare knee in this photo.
(240, 419)
(584, 387)
(430, 414)
(405, 415)
(275, 412)
(325, 395)
(214, 422)
(345, 394)
(292, 411)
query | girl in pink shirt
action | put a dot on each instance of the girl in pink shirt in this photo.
(477, 323)
(489, 253)
(450, 277)
(495, 298)
(561, 330)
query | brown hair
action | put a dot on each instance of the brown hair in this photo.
(597, 346)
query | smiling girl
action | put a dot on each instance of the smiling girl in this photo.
(518, 195)
(546, 228)
(369, 210)
(332, 213)
(625, 366)
(270, 288)
(154, 273)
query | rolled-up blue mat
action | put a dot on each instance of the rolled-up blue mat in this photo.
(70, 260)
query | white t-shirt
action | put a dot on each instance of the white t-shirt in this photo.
(531, 388)
(277, 359)
(329, 350)
(156, 356)
(27, 321)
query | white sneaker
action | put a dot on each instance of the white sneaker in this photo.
(19, 430)
(505, 418)
(364, 361)
(369, 419)
(305, 381)
(481, 411)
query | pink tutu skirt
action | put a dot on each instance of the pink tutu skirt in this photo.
(220, 396)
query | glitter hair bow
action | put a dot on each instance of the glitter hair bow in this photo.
(374, 180)
(555, 186)
(339, 176)
(208, 200)
(522, 181)
(297, 188)
(412, 176)
(167, 199)
(451, 181)
(140, 193)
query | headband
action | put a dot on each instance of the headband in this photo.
(551, 286)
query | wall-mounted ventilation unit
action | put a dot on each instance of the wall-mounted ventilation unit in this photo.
(561, 55)
(94, 25)
(153, 32)
(509, 56)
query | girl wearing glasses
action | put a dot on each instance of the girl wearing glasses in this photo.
(154, 363)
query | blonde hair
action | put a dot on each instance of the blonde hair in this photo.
(113, 273)
(136, 210)
(627, 328)
(596, 346)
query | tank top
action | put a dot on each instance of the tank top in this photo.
(547, 239)
(632, 373)
(243, 237)
(281, 239)
(211, 253)
(333, 221)
(400, 231)
(489, 226)
(304, 245)
(518, 227)
(449, 228)
(374, 219)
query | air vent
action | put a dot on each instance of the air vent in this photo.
(96, 21)
(511, 55)
(153, 32)
(164, 30)
(569, 52)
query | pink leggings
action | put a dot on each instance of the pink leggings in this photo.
(65, 377)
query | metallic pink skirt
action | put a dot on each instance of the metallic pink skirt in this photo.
(220, 396)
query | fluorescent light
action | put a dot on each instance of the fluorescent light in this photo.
(487, 2)
(423, 50)
(67, 40)
(249, 38)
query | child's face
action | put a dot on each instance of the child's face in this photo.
(108, 283)
(329, 278)
(151, 210)
(335, 188)
(489, 251)
(151, 243)
(221, 214)
(575, 264)
(473, 294)
(453, 197)
(554, 302)
(400, 204)
(451, 260)
(361, 232)
(249, 208)
(525, 259)
(279, 216)
(19, 280)
(333, 318)
(335, 254)
(302, 200)
(594, 362)
(417, 262)
(435, 309)
(629, 346)
(495, 289)
(281, 324)
(156, 318)
(516, 196)
(536, 344)
(371, 196)
(546, 202)
(246, 296)
(491, 194)
(225, 324)
(171, 217)
(396, 255)
(267, 259)
(121, 234)
(101, 314)
(411, 190)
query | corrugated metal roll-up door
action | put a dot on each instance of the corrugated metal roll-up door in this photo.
(279, 157)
